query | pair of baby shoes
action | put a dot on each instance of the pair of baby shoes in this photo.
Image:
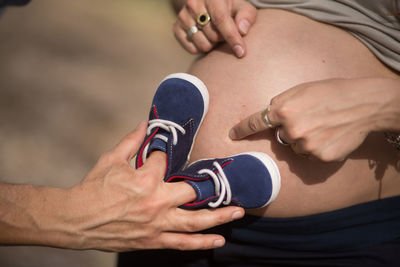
(250, 180)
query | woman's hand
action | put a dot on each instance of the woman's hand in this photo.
(329, 119)
(230, 20)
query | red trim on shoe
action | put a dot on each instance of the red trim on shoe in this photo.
(198, 203)
(140, 155)
(140, 162)
(195, 179)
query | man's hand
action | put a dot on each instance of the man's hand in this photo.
(117, 208)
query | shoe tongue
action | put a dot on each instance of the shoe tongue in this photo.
(205, 189)
(158, 144)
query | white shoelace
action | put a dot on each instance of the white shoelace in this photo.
(168, 126)
(221, 183)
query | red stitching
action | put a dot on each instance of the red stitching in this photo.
(140, 156)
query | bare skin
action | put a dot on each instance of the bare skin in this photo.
(115, 208)
(284, 50)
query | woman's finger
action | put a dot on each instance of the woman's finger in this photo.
(245, 15)
(254, 123)
(201, 42)
(181, 36)
(221, 17)
(190, 35)
(212, 34)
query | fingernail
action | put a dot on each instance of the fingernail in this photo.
(232, 134)
(238, 50)
(244, 26)
(237, 215)
(218, 243)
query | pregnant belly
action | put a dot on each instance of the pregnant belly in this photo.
(285, 49)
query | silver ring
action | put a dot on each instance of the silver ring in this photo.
(264, 116)
(191, 32)
(279, 139)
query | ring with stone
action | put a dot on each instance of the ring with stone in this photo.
(202, 20)
(192, 32)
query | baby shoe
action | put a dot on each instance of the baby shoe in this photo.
(178, 109)
(250, 180)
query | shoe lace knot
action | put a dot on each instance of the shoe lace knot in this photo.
(166, 125)
(222, 187)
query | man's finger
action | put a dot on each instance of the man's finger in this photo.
(180, 193)
(157, 162)
(182, 241)
(250, 125)
(193, 221)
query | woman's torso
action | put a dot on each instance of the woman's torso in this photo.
(285, 49)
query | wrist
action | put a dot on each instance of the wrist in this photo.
(391, 109)
(48, 211)
(387, 115)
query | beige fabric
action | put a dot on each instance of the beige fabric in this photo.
(372, 21)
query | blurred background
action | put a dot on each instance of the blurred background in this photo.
(75, 77)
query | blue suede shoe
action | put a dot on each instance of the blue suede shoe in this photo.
(179, 106)
(250, 180)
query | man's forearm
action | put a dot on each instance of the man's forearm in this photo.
(27, 215)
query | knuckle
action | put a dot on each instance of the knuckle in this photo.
(149, 174)
(150, 215)
(180, 18)
(192, 50)
(308, 146)
(252, 10)
(253, 124)
(213, 37)
(106, 158)
(274, 101)
(323, 155)
(191, 226)
(294, 133)
(191, 5)
(181, 244)
(205, 47)
(220, 219)
(284, 112)
(219, 19)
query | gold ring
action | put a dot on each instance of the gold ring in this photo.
(264, 116)
(202, 20)
(191, 32)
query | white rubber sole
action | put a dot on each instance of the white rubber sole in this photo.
(273, 171)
